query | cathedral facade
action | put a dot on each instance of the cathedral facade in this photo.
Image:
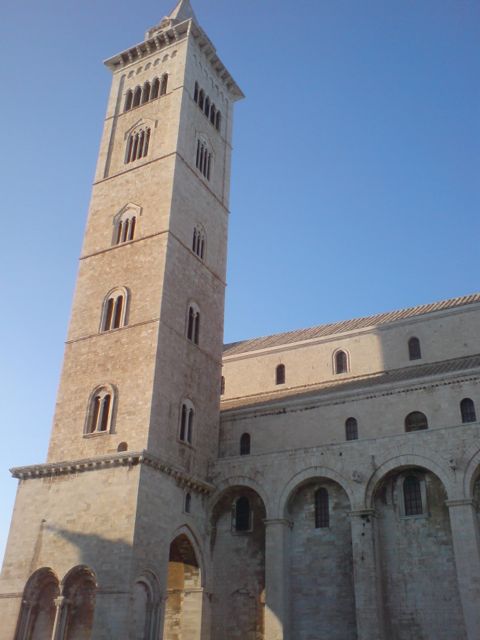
(320, 483)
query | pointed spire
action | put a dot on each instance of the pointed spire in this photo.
(183, 11)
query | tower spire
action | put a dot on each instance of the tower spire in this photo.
(183, 11)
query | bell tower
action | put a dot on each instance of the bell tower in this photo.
(137, 413)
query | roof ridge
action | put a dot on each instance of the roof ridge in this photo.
(276, 339)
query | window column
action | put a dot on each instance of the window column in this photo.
(366, 576)
(466, 547)
(277, 539)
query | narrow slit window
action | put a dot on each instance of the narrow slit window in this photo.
(341, 362)
(351, 429)
(280, 374)
(412, 495)
(245, 444)
(414, 350)
(322, 511)
(222, 385)
(155, 89)
(128, 100)
(242, 520)
(164, 85)
(467, 409)
(137, 97)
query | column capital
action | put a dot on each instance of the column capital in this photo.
(60, 602)
(278, 521)
(363, 513)
(461, 502)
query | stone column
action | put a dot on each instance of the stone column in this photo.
(61, 607)
(466, 547)
(366, 576)
(277, 534)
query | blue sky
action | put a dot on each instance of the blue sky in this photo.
(355, 172)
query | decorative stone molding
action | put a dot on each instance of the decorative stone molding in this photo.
(461, 502)
(130, 458)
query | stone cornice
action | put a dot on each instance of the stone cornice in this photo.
(127, 459)
(162, 38)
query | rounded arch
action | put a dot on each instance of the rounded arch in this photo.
(79, 571)
(403, 461)
(340, 361)
(115, 309)
(99, 416)
(37, 579)
(472, 471)
(239, 481)
(37, 612)
(306, 476)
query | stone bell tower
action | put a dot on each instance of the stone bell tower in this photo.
(101, 535)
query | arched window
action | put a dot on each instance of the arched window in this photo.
(195, 93)
(137, 96)
(188, 502)
(218, 119)
(126, 229)
(412, 496)
(128, 100)
(164, 85)
(414, 351)
(245, 444)
(213, 113)
(322, 512)
(351, 429)
(416, 421)
(100, 410)
(187, 414)
(114, 315)
(37, 614)
(467, 409)
(146, 92)
(155, 89)
(242, 514)
(203, 160)
(79, 589)
(201, 99)
(145, 610)
(193, 324)
(341, 362)
(137, 144)
(222, 385)
(280, 374)
(206, 108)
(198, 242)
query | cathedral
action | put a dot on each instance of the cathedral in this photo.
(310, 485)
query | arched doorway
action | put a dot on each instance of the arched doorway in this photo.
(417, 563)
(321, 562)
(238, 548)
(183, 609)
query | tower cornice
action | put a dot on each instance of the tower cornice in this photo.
(163, 37)
(127, 459)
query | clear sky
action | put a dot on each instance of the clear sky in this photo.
(355, 171)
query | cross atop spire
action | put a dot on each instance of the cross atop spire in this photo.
(183, 11)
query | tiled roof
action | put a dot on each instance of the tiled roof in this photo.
(458, 365)
(322, 330)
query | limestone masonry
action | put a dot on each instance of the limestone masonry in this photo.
(317, 484)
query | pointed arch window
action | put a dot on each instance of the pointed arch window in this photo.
(198, 242)
(242, 515)
(213, 114)
(146, 92)
(188, 503)
(114, 315)
(201, 99)
(100, 410)
(137, 96)
(414, 350)
(280, 374)
(164, 84)
(218, 120)
(195, 92)
(193, 324)
(138, 143)
(322, 510)
(187, 414)
(155, 88)
(341, 362)
(128, 100)
(412, 496)
(245, 441)
(351, 429)
(467, 409)
(203, 160)
(416, 421)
